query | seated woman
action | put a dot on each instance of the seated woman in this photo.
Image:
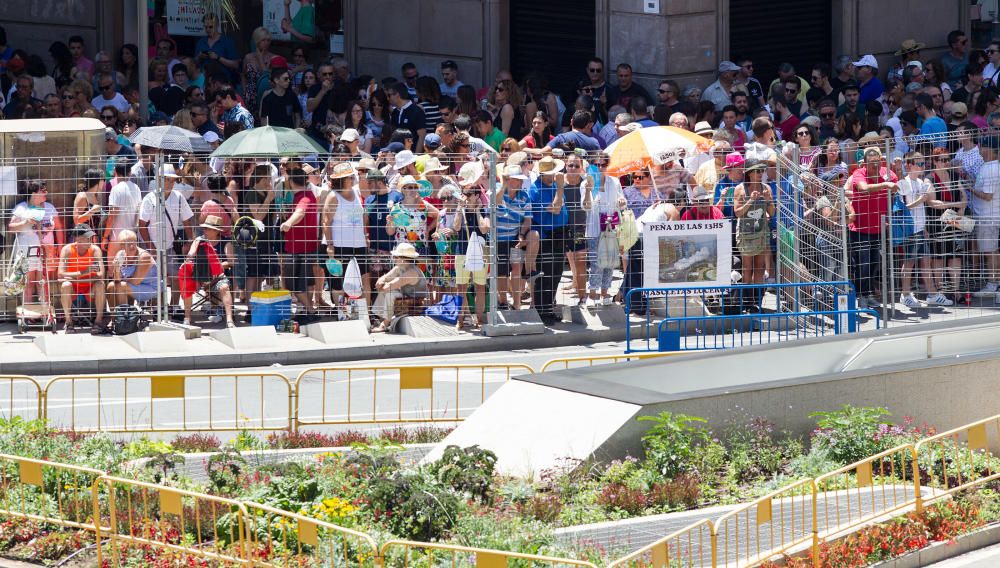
(81, 273)
(404, 280)
(133, 272)
(203, 266)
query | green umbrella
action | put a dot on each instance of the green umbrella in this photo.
(268, 141)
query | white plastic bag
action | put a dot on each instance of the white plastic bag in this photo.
(352, 280)
(607, 251)
(474, 254)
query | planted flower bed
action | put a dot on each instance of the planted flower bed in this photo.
(460, 499)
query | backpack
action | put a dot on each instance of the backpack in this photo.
(128, 319)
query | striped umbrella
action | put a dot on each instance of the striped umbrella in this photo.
(645, 147)
(170, 138)
(268, 141)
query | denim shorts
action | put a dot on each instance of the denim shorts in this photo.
(915, 247)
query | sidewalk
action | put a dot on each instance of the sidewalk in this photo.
(19, 354)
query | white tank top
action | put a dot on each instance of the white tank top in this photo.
(348, 223)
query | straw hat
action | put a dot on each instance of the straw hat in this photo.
(869, 137)
(405, 181)
(405, 250)
(549, 165)
(470, 173)
(433, 164)
(212, 222)
(341, 170)
(366, 164)
(909, 46)
(513, 171)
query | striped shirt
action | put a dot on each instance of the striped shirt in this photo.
(511, 213)
(432, 115)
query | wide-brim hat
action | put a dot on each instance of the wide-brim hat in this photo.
(754, 166)
(549, 165)
(405, 250)
(341, 170)
(433, 164)
(869, 137)
(909, 46)
(212, 222)
(470, 173)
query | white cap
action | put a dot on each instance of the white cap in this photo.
(350, 135)
(867, 60)
(403, 159)
(167, 171)
(211, 137)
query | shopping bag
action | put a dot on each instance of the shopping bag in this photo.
(902, 221)
(628, 230)
(474, 254)
(352, 280)
(447, 310)
(607, 251)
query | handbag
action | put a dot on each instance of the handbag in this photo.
(901, 221)
(628, 229)
(447, 310)
(607, 251)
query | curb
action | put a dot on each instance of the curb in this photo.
(940, 551)
(562, 338)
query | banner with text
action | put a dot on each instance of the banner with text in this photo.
(184, 17)
(682, 254)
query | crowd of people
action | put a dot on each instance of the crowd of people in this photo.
(407, 186)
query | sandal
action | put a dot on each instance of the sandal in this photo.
(99, 328)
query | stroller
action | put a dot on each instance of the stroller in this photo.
(37, 315)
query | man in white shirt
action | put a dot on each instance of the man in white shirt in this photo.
(993, 65)
(986, 209)
(108, 96)
(159, 233)
(123, 210)
(915, 189)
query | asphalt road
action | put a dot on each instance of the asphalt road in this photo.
(257, 398)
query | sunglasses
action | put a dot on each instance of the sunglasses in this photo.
(105, 87)
(917, 164)
(802, 133)
(592, 70)
(108, 117)
(748, 66)
(792, 91)
(990, 51)
(827, 115)
(572, 166)
(326, 74)
(500, 89)
(665, 91)
(68, 97)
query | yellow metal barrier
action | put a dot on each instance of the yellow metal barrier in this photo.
(169, 403)
(277, 538)
(693, 547)
(863, 491)
(398, 553)
(960, 458)
(145, 515)
(23, 397)
(775, 523)
(568, 362)
(50, 492)
(350, 395)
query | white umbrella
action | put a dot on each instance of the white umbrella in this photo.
(170, 138)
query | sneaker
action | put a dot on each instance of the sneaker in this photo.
(909, 300)
(939, 300)
(215, 318)
(187, 321)
(535, 275)
(989, 290)
(606, 301)
(872, 302)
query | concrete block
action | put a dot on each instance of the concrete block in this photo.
(257, 337)
(423, 327)
(515, 322)
(190, 331)
(339, 332)
(60, 345)
(595, 317)
(165, 341)
(382, 25)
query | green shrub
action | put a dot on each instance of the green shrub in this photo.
(466, 470)
(412, 506)
(673, 441)
(851, 433)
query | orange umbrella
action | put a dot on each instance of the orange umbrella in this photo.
(640, 149)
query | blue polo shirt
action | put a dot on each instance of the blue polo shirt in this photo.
(541, 197)
(578, 139)
(871, 90)
(935, 131)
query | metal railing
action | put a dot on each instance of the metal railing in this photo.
(170, 403)
(400, 553)
(329, 395)
(777, 522)
(720, 317)
(21, 396)
(960, 458)
(277, 538)
(693, 546)
(570, 362)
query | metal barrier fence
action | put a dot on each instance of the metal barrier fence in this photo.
(960, 458)
(693, 546)
(401, 553)
(23, 397)
(277, 538)
(146, 516)
(329, 395)
(777, 522)
(170, 403)
(720, 317)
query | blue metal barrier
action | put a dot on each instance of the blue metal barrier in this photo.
(722, 317)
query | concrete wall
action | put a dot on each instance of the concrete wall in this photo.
(681, 42)
(33, 25)
(388, 33)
